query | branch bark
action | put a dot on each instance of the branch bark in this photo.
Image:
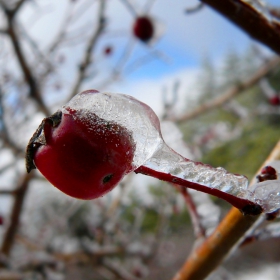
(204, 259)
(251, 21)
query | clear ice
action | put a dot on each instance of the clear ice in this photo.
(152, 152)
(266, 194)
(135, 116)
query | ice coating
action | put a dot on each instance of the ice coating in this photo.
(168, 161)
(135, 116)
(266, 194)
(151, 151)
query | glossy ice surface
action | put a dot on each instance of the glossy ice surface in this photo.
(135, 116)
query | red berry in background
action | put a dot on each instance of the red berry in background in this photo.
(84, 157)
(1, 220)
(269, 170)
(275, 100)
(108, 50)
(143, 28)
(267, 173)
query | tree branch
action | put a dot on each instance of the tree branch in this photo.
(214, 249)
(251, 21)
(17, 7)
(87, 59)
(7, 192)
(15, 215)
(4, 133)
(231, 92)
(34, 90)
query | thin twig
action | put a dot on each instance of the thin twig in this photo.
(250, 20)
(130, 7)
(87, 59)
(199, 231)
(118, 270)
(34, 90)
(7, 192)
(194, 9)
(20, 193)
(231, 92)
(4, 134)
(17, 7)
(214, 249)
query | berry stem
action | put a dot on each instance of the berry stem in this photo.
(167, 165)
(237, 202)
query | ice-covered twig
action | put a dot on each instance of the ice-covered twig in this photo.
(169, 166)
(215, 248)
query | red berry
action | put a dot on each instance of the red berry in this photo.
(275, 100)
(108, 50)
(83, 156)
(268, 170)
(267, 173)
(1, 220)
(143, 28)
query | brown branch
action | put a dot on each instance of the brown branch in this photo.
(87, 59)
(34, 90)
(9, 236)
(231, 92)
(254, 23)
(210, 254)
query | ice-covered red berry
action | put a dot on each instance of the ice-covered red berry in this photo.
(83, 156)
